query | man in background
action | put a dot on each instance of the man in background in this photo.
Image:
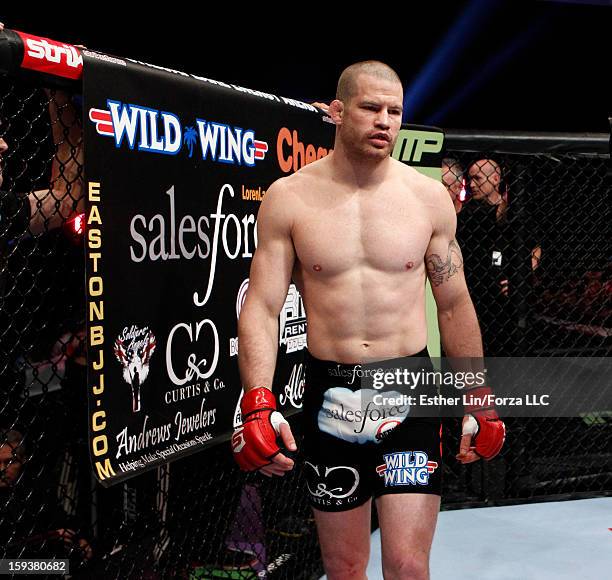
(452, 178)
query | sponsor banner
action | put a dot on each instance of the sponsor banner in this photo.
(421, 147)
(50, 57)
(177, 168)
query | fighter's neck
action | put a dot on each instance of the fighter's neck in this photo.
(362, 172)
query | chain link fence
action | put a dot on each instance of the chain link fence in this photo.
(196, 518)
(533, 222)
(534, 230)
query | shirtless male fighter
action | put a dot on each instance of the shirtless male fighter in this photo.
(358, 232)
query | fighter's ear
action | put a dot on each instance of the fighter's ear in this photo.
(336, 111)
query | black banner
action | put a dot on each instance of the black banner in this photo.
(177, 167)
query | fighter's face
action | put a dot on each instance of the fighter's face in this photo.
(484, 179)
(3, 149)
(372, 117)
(10, 466)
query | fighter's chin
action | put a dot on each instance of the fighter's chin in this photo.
(378, 152)
(366, 152)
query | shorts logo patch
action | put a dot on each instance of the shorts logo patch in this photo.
(386, 428)
(331, 485)
(355, 416)
(406, 468)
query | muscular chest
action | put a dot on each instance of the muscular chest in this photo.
(388, 235)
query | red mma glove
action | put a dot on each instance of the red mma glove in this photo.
(483, 423)
(254, 442)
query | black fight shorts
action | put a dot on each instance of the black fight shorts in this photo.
(360, 440)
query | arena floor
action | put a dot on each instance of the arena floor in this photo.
(568, 539)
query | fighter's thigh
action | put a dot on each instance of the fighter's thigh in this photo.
(407, 524)
(344, 538)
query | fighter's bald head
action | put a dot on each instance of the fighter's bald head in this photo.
(489, 167)
(485, 179)
(348, 82)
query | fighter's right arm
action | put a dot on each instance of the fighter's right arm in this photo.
(255, 443)
(268, 284)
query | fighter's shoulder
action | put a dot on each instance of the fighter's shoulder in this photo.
(312, 173)
(420, 183)
(432, 196)
(284, 197)
(305, 183)
(276, 205)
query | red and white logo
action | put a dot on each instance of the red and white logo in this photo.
(261, 148)
(51, 57)
(103, 121)
(238, 441)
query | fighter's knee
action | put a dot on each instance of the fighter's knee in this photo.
(406, 567)
(345, 568)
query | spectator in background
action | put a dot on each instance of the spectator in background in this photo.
(33, 523)
(480, 231)
(485, 180)
(12, 457)
(34, 213)
(48, 208)
(495, 249)
(452, 178)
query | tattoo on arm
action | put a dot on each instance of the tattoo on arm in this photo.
(442, 270)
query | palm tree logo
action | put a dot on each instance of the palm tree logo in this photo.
(190, 139)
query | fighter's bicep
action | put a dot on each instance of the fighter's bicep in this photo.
(443, 258)
(444, 261)
(271, 271)
(275, 255)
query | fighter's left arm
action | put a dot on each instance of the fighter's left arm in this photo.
(459, 329)
(483, 433)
